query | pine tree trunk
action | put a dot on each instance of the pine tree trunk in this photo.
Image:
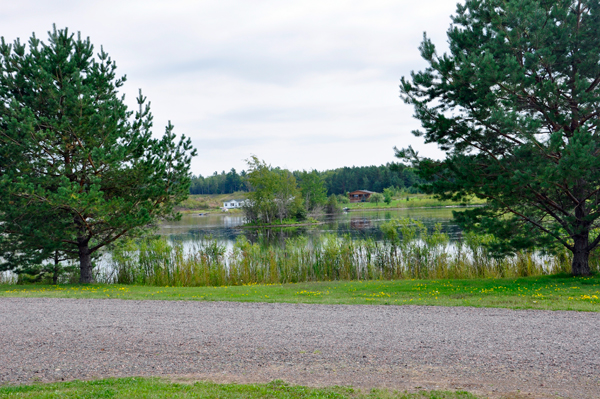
(581, 254)
(56, 269)
(85, 262)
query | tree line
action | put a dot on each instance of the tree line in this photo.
(336, 181)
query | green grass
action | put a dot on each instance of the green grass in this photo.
(208, 202)
(157, 388)
(414, 201)
(559, 292)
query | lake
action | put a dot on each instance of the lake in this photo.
(225, 227)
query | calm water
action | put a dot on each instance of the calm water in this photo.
(358, 224)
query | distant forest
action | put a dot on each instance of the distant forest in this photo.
(337, 181)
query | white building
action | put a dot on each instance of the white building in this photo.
(233, 204)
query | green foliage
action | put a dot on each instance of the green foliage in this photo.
(336, 181)
(52, 272)
(388, 193)
(313, 190)
(342, 198)
(274, 195)
(515, 106)
(223, 183)
(333, 206)
(77, 169)
(372, 178)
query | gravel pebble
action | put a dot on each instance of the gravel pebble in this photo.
(493, 352)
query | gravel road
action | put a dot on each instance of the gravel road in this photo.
(494, 352)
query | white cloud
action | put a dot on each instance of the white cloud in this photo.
(302, 84)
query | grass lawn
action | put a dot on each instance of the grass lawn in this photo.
(208, 202)
(414, 201)
(157, 388)
(559, 292)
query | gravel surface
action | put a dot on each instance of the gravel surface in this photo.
(494, 352)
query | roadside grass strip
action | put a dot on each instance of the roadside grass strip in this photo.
(557, 292)
(158, 388)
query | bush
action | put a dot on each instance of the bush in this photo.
(343, 199)
(332, 205)
(387, 195)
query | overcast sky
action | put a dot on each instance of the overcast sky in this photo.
(307, 84)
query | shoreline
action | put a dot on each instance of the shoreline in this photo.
(417, 207)
(215, 212)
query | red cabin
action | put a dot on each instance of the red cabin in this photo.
(360, 195)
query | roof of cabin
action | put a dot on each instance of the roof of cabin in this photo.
(362, 191)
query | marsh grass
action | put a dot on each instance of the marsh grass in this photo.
(8, 278)
(409, 251)
(157, 388)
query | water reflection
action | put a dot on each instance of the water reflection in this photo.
(360, 223)
(225, 228)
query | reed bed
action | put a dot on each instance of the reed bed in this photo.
(8, 277)
(409, 251)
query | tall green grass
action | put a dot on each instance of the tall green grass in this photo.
(408, 252)
(8, 278)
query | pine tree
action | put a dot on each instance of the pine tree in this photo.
(515, 104)
(78, 170)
